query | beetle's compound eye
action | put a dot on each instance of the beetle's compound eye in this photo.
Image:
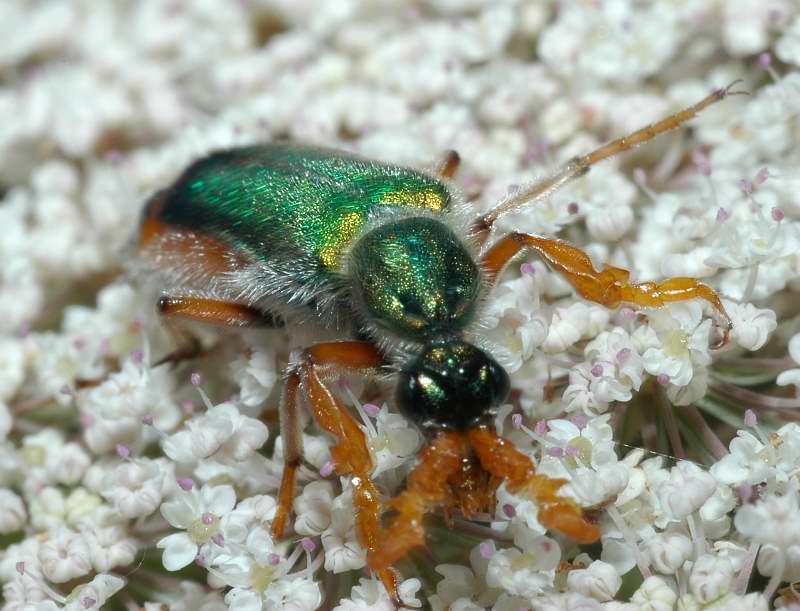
(451, 385)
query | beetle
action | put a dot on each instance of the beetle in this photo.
(382, 256)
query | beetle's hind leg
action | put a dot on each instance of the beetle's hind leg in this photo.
(427, 488)
(351, 455)
(500, 458)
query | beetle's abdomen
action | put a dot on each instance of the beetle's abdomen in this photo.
(415, 278)
(289, 205)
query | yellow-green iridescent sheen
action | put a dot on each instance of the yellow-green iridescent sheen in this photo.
(415, 278)
(282, 202)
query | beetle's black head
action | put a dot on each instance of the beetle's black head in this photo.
(451, 385)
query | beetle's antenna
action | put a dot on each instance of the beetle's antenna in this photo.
(578, 166)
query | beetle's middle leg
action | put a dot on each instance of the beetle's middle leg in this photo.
(351, 455)
(447, 166)
(610, 286)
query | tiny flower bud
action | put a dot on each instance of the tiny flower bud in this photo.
(761, 176)
(744, 491)
(778, 214)
(123, 451)
(750, 418)
(147, 419)
(723, 215)
(195, 379)
(274, 559)
(308, 544)
(746, 186)
(765, 60)
(20, 566)
(573, 208)
(640, 176)
(207, 518)
(527, 268)
(219, 539)
(186, 483)
(187, 407)
(326, 469)
(66, 390)
(88, 602)
(86, 419)
(662, 379)
(541, 427)
(509, 510)
(702, 162)
(371, 410)
(571, 451)
(137, 356)
(627, 313)
(486, 549)
(579, 420)
(516, 420)
(623, 355)
(597, 370)
(555, 452)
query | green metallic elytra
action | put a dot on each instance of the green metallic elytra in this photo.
(283, 201)
(415, 278)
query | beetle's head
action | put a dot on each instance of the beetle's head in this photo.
(451, 384)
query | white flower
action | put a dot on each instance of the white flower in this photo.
(525, 571)
(668, 551)
(64, 555)
(12, 367)
(95, 594)
(751, 325)
(135, 488)
(343, 552)
(396, 440)
(711, 577)
(370, 595)
(791, 376)
(199, 512)
(256, 375)
(679, 350)
(313, 508)
(222, 432)
(686, 489)
(573, 323)
(771, 520)
(654, 595)
(109, 547)
(599, 581)
(788, 46)
(768, 561)
(12, 512)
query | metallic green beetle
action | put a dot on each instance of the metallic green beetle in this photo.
(384, 257)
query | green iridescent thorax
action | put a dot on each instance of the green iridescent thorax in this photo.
(283, 203)
(415, 278)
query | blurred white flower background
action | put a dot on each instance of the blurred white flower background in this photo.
(128, 486)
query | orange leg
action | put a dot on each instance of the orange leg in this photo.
(578, 166)
(500, 458)
(609, 287)
(448, 165)
(426, 489)
(351, 454)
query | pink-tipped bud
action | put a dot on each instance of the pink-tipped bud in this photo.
(516, 420)
(207, 518)
(723, 215)
(640, 176)
(88, 602)
(765, 60)
(527, 268)
(187, 407)
(219, 540)
(308, 544)
(326, 469)
(274, 559)
(623, 355)
(778, 215)
(761, 176)
(750, 418)
(137, 356)
(186, 483)
(579, 420)
(702, 162)
(573, 208)
(66, 390)
(541, 427)
(147, 419)
(195, 379)
(744, 491)
(555, 452)
(627, 313)
(746, 186)
(123, 451)
(571, 451)
(509, 511)
(597, 370)
(486, 549)
(371, 410)
(662, 379)
(20, 567)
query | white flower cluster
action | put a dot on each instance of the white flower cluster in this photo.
(121, 478)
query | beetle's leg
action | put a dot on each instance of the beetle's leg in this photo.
(609, 287)
(578, 166)
(426, 489)
(212, 311)
(448, 164)
(292, 438)
(351, 455)
(500, 458)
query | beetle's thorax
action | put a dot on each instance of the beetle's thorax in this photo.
(414, 278)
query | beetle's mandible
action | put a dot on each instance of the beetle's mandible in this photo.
(383, 256)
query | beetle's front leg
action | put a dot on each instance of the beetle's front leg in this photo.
(610, 286)
(351, 455)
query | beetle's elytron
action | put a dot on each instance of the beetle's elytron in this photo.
(382, 255)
